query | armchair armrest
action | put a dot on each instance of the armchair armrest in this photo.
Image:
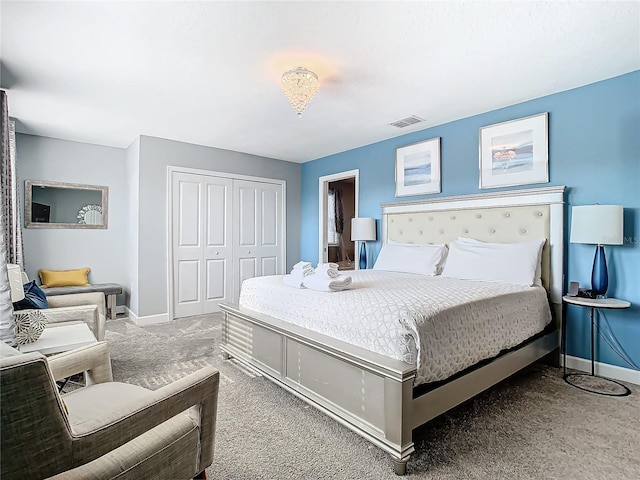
(89, 314)
(93, 359)
(73, 299)
(76, 300)
(79, 313)
(197, 392)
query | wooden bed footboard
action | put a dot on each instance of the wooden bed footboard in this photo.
(368, 393)
(364, 391)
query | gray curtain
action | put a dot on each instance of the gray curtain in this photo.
(12, 224)
(7, 332)
(11, 233)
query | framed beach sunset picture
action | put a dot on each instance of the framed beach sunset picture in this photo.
(514, 152)
(418, 168)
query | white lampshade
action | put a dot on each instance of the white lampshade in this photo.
(363, 229)
(597, 224)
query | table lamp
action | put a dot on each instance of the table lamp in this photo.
(363, 230)
(597, 225)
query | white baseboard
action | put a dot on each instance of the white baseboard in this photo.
(147, 319)
(604, 369)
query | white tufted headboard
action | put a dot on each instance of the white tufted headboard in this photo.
(513, 216)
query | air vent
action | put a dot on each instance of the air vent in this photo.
(405, 122)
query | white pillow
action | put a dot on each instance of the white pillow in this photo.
(411, 258)
(538, 275)
(515, 263)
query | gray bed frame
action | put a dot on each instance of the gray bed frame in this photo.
(371, 394)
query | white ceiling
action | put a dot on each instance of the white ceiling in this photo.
(208, 72)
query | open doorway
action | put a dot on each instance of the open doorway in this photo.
(338, 205)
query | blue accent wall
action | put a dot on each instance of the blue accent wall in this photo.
(594, 149)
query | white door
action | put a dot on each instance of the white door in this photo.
(187, 244)
(202, 243)
(258, 231)
(218, 243)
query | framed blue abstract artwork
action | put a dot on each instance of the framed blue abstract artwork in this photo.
(418, 168)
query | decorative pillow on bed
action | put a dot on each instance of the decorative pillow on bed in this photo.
(64, 278)
(411, 258)
(515, 263)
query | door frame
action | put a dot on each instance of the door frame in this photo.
(323, 192)
(213, 173)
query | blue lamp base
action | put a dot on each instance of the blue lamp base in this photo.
(599, 275)
(363, 256)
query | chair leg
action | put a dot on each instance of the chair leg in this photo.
(201, 476)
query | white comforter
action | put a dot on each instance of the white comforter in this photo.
(441, 325)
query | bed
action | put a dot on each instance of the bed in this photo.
(383, 398)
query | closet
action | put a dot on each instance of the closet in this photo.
(224, 229)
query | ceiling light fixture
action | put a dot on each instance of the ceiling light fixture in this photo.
(300, 86)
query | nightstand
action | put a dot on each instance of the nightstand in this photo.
(592, 304)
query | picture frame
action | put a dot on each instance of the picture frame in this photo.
(418, 168)
(515, 152)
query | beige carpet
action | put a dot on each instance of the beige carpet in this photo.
(532, 426)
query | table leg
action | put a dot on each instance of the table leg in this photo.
(563, 339)
(593, 371)
(111, 307)
(624, 390)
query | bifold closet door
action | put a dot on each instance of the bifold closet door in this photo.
(202, 243)
(258, 231)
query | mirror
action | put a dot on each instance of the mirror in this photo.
(65, 205)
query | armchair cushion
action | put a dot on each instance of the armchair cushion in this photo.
(85, 404)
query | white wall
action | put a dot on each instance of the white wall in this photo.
(155, 155)
(41, 158)
(133, 250)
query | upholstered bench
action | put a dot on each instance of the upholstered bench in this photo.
(110, 291)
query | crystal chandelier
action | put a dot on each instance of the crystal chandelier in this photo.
(300, 85)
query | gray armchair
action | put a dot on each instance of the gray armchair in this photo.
(107, 429)
(64, 309)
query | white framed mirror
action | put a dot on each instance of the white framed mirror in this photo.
(65, 205)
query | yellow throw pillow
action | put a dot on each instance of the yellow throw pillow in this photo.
(64, 278)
